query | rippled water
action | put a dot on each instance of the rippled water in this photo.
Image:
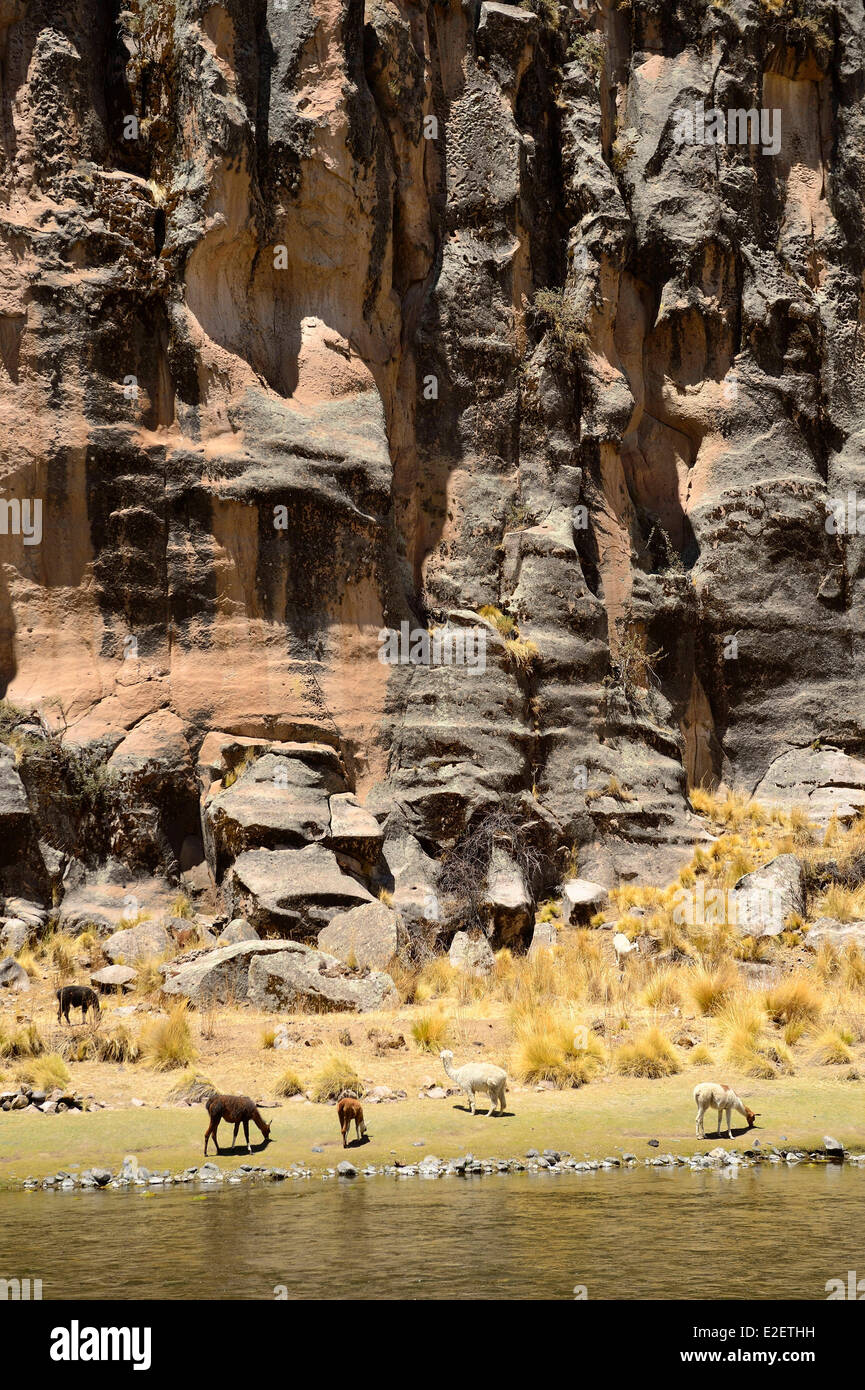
(768, 1233)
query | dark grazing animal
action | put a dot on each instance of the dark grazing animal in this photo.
(76, 997)
(237, 1111)
(350, 1109)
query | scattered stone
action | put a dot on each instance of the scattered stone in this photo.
(13, 975)
(238, 929)
(473, 955)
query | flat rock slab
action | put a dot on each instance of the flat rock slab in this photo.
(822, 781)
(294, 891)
(354, 830)
(113, 977)
(838, 934)
(581, 898)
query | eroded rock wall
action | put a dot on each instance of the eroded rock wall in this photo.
(319, 317)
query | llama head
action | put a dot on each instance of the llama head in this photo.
(266, 1129)
(446, 1056)
(750, 1116)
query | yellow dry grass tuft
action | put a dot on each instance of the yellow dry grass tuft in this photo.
(335, 1077)
(167, 1042)
(650, 1055)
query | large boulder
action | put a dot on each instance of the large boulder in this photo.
(507, 901)
(824, 782)
(473, 955)
(581, 899)
(544, 937)
(762, 900)
(371, 935)
(137, 943)
(217, 977)
(14, 935)
(21, 866)
(354, 832)
(293, 891)
(111, 899)
(413, 875)
(276, 975)
(275, 801)
(152, 784)
(300, 975)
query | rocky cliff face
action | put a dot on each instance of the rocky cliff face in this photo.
(318, 318)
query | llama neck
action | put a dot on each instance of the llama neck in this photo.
(449, 1071)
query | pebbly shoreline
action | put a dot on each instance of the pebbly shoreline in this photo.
(550, 1161)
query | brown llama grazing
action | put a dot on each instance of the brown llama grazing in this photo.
(350, 1109)
(236, 1110)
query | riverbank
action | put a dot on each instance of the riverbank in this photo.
(611, 1117)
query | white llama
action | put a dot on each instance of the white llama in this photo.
(478, 1076)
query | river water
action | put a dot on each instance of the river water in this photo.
(768, 1233)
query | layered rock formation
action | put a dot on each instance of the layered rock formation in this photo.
(316, 319)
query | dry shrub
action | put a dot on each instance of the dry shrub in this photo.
(288, 1084)
(192, 1088)
(649, 1055)
(23, 1041)
(167, 1042)
(46, 1072)
(712, 990)
(550, 1047)
(794, 999)
(430, 1032)
(336, 1077)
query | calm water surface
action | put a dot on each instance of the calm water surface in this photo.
(769, 1233)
